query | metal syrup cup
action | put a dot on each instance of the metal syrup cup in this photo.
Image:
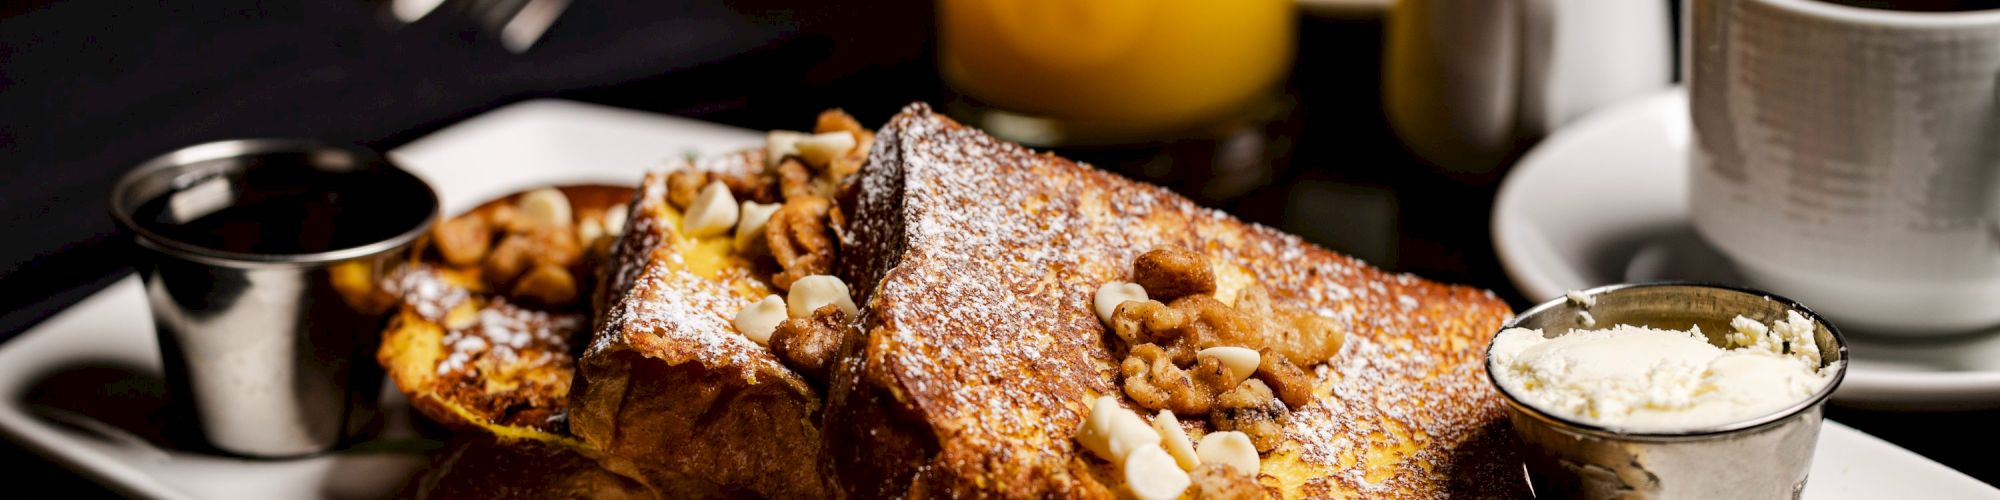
(268, 354)
(1763, 457)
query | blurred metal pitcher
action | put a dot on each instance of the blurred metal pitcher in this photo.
(1468, 82)
(261, 260)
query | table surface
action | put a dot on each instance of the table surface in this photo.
(92, 88)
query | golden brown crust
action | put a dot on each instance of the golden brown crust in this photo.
(668, 383)
(482, 466)
(470, 358)
(981, 353)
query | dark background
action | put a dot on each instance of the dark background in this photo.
(91, 88)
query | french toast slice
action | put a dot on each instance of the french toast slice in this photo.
(977, 355)
(470, 357)
(670, 385)
(477, 465)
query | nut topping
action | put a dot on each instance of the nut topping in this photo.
(1147, 322)
(548, 285)
(1154, 382)
(683, 186)
(1303, 338)
(809, 344)
(1170, 273)
(1252, 410)
(508, 259)
(1241, 362)
(847, 164)
(463, 241)
(800, 239)
(795, 180)
(1284, 378)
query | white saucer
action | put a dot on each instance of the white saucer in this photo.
(1604, 200)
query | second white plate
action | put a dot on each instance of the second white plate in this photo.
(1604, 200)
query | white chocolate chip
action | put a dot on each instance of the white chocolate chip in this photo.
(589, 231)
(1241, 362)
(713, 212)
(760, 318)
(1113, 293)
(781, 143)
(1153, 475)
(1229, 448)
(813, 292)
(1112, 431)
(750, 226)
(614, 220)
(821, 149)
(545, 207)
(1176, 439)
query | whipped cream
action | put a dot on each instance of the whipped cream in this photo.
(1641, 379)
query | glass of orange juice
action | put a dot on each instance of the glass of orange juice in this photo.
(1084, 72)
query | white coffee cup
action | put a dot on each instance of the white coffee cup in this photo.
(1850, 157)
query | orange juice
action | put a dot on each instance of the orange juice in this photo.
(1145, 64)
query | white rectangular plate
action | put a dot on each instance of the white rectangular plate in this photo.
(531, 144)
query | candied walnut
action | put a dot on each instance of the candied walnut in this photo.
(547, 285)
(1170, 273)
(809, 344)
(837, 120)
(1222, 482)
(1147, 322)
(463, 241)
(1154, 382)
(1303, 338)
(1250, 408)
(508, 259)
(683, 186)
(508, 218)
(1284, 378)
(1211, 375)
(795, 180)
(847, 164)
(800, 239)
(1255, 300)
(1212, 323)
(757, 188)
(518, 252)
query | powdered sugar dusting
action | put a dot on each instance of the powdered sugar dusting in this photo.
(660, 308)
(985, 324)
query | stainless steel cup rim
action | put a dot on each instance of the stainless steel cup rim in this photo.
(1697, 433)
(122, 208)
